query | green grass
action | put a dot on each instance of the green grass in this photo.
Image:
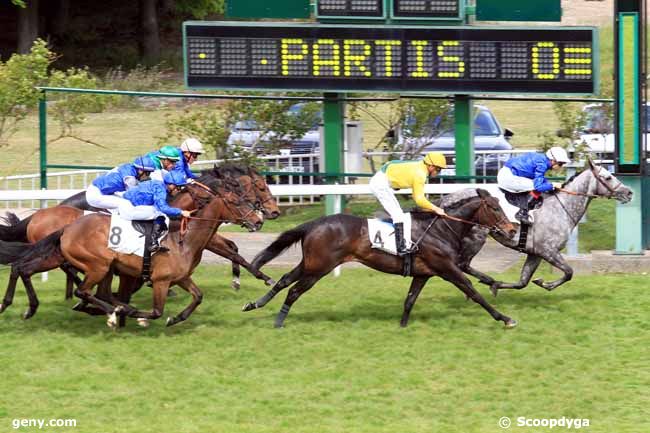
(342, 364)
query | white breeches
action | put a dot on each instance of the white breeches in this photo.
(512, 183)
(380, 187)
(143, 212)
(95, 198)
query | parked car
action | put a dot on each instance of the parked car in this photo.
(598, 129)
(439, 136)
(246, 133)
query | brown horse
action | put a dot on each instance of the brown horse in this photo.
(345, 238)
(83, 244)
(47, 221)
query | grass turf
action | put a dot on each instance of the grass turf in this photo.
(342, 364)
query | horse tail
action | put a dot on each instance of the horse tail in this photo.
(15, 230)
(11, 252)
(284, 241)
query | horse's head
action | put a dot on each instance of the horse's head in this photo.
(490, 213)
(608, 185)
(267, 203)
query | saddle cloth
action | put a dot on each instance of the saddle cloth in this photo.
(125, 239)
(381, 234)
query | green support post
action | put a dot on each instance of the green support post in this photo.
(334, 121)
(464, 135)
(629, 225)
(42, 137)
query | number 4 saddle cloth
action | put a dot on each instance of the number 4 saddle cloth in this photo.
(124, 238)
(381, 233)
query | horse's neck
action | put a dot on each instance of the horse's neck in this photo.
(577, 205)
(200, 231)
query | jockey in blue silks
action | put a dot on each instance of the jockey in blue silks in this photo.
(190, 150)
(101, 193)
(527, 174)
(148, 201)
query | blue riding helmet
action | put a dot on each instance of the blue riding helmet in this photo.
(144, 163)
(174, 178)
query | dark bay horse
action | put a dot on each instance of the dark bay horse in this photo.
(560, 213)
(329, 241)
(83, 244)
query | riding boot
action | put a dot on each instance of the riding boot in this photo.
(158, 229)
(523, 217)
(400, 242)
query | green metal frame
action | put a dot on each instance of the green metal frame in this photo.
(628, 88)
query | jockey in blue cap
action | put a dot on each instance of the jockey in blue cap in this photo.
(101, 193)
(148, 201)
(526, 174)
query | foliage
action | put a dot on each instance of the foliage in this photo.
(200, 8)
(410, 119)
(275, 125)
(19, 3)
(70, 109)
(19, 77)
(572, 119)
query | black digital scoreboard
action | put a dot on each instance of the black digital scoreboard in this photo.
(330, 58)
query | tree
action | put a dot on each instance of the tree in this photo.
(27, 25)
(149, 36)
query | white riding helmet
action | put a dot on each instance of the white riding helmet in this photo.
(192, 145)
(559, 154)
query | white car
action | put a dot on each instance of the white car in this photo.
(598, 130)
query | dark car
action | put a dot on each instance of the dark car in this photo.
(439, 136)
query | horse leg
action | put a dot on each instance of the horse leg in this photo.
(529, 268)
(456, 276)
(558, 261)
(11, 289)
(197, 297)
(69, 286)
(31, 295)
(414, 291)
(471, 245)
(229, 250)
(286, 280)
(85, 292)
(295, 292)
(160, 289)
(103, 293)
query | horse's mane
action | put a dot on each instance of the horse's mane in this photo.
(452, 201)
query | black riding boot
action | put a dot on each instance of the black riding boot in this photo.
(158, 229)
(523, 217)
(400, 243)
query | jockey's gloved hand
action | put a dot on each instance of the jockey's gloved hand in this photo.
(186, 213)
(557, 185)
(190, 180)
(439, 211)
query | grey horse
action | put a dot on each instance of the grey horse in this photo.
(553, 222)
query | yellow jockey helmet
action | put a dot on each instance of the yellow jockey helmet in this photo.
(435, 158)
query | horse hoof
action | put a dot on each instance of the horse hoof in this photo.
(249, 306)
(235, 284)
(278, 325)
(512, 323)
(3, 307)
(111, 322)
(494, 289)
(270, 282)
(29, 314)
(171, 321)
(539, 282)
(144, 323)
(79, 306)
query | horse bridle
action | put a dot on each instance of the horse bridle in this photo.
(600, 180)
(482, 208)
